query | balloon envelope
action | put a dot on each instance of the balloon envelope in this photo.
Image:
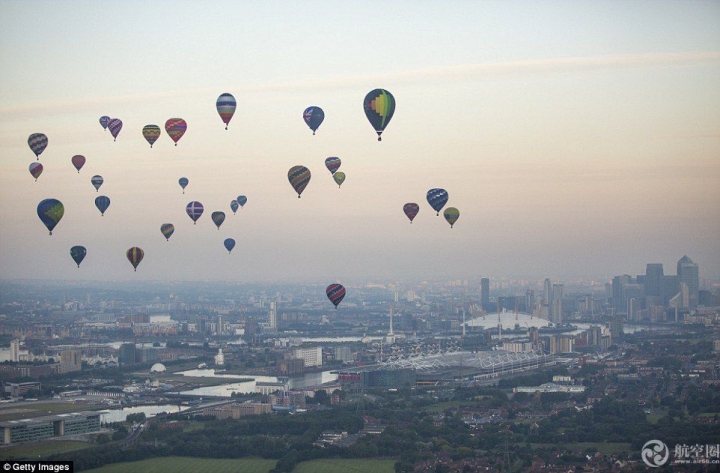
(437, 198)
(38, 142)
(97, 182)
(135, 255)
(77, 253)
(313, 116)
(176, 128)
(379, 105)
(336, 293)
(104, 120)
(194, 210)
(226, 105)
(218, 218)
(339, 178)
(229, 244)
(242, 200)
(115, 125)
(151, 133)
(78, 161)
(411, 209)
(234, 206)
(451, 214)
(36, 169)
(183, 181)
(102, 202)
(333, 164)
(50, 212)
(299, 176)
(167, 229)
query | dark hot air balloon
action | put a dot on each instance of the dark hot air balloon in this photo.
(151, 133)
(176, 128)
(97, 181)
(36, 169)
(135, 255)
(299, 176)
(115, 125)
(411, 209)
(77, 253)
(313, 116)
(234, 206)
(451, 214)
(50, 212)
(339, 178)
(226, 106)
(336, 293)
(167, 229)
(229, 244)
(437, 198)
(102, 202)
(379, 106)
(104, 120)
(194, 210)
(78, 161)
(241, 200)
(183, 181)
(218, 218)
(37, 142)
(333, 164)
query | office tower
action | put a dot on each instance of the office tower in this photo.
(653, 284)
(687, 272)
(127, 354)
(15, 350)
(485, 293)
(616, 328)
(272, 315)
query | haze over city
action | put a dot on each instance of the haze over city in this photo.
(576, 139)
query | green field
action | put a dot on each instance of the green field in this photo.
(36, 450)
(346, 466)
(176, 464)
(37, 409)
(602, 447)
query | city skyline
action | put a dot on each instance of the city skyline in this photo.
(575, 139)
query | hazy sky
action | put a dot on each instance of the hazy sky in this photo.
(574, 137)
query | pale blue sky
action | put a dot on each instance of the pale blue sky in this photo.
(575, 138)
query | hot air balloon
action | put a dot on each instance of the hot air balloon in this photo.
(194, 210)
(135, 255)
(234, 206)
(242, 200)
(437, 198)
(299, 176)
(151, 133)
(333, 164)
(339, 178)
(379, 106)
(104, 120)
(336, 293)
(36, 169)
(183, 181)
(451, 214)
(175, 127)
(167, 229)
(38, 142)
(115, 125)
(102, 202)
(313, 116)
(78, 161)
(411, 209)
(97, 181)
(218, 218)
(229, 244)
(77, 253)
(226, 105)
(50, 212)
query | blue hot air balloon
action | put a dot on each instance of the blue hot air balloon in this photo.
(77, 253)
(229, 244)
(437, 198)
(234, 206)
(102, 202)
(50, 212)
(313, 116)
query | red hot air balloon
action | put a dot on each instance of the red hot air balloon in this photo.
(115, 125)
(78, 161)
(336, 293)
(176, 128)
(411, 209)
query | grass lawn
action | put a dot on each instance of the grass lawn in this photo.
(177, 464)
(602, 447)
(346, 466)
(35, 450)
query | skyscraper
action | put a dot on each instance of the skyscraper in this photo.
(687, 272)
(653, 280)
(547, 299)
(485, 293)
(272, 316)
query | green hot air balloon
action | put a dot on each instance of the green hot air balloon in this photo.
(50, 212)
(451, 214)
(135, 255)
(379, 106)
(339, 178)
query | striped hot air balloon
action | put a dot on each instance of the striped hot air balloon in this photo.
(336, 293)
(36, 169)
(135, 255)
(176, 128)
(38, 142)
(151, 133)
(115, 125)
(437, 198)
(299, 177)
(226, 106)
(451, 214)
(167, 229)
(333, 164)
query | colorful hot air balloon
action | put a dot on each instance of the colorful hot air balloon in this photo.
(451, 214)
(339, 178)
(229, 244)
(135, 255)
(115, 125)
(226, 105)
(176, 128)
(102, 202)
(194, 210)
(234, 206)
(167, 229)
(36, 169)
(96, 181)
(336, 293)
(379, 106)
(77, 253)
(78, 161)
(299, 176)
(313, 116)
(151, 133)
(411, 209)
(242, 200)
(104, 120)
(437, 198)
(218, 218)
(37, 142)
(183, 181)
(333, 164)
(50, 212)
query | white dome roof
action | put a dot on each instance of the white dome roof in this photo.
(508, 321)
(157, 368)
